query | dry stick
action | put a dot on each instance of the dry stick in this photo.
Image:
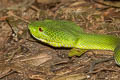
(113, 32)
(13, 32)
(105, 4)
(98, 61)
(36, 9)
(4, 75)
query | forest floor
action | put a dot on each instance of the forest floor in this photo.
(24, 58)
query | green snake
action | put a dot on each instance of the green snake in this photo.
(60, 33)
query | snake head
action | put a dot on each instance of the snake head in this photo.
(38, 31)
(55, 33)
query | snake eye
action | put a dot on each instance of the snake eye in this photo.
(40, 29)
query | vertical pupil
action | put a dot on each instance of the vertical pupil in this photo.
(40, 29)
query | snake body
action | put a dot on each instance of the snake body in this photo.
(60, 33)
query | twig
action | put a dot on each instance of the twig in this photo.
(113, 32)
(97, 1)
(4, 75)
(97, 62)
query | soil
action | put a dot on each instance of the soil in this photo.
(22, 57)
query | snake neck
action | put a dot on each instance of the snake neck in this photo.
(96, 41)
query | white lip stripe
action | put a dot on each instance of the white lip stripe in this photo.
(53, 43)
(39, 38)
(60, 44)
